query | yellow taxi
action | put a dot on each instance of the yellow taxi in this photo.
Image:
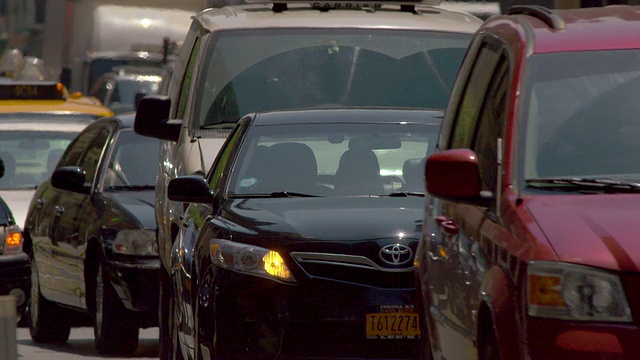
(49, 99)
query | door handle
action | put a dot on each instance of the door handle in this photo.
(58, 210)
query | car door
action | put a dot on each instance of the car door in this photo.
(196, 215)
(458, 253)
(69, 214)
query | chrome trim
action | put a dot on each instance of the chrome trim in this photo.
(343, 260)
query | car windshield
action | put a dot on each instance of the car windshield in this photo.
(133, 163)
(123, 95)
(30, 156)
(333, 160)
(259, 70)
(594, 131)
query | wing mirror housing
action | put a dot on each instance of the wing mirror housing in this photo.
(70, 178)
(454, 175)
(152, 118)
(190, 189)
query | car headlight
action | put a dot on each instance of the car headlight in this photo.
(136, 242)
(574, 292)
(250, 259)
(13, 240)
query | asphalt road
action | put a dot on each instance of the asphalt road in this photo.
(80, 346)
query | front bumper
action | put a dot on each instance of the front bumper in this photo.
(15, 275)
(136, 283)
(556, 339)
(318, 318)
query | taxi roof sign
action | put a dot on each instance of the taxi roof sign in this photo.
(32, 91)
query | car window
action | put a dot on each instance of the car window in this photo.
(30, 156)
(73, 154)
(490, 126)
(132, 161)
(473, 97)
(248, 71)
(186, 82)
(223, 158)
(594, 130)
(91, 158)
(335, 160)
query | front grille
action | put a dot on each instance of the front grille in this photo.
(354, 269)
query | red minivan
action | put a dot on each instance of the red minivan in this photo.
(531, 246)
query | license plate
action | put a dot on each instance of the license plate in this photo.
(392, 325)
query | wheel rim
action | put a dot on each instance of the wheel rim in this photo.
(99, 305)
(35, 294)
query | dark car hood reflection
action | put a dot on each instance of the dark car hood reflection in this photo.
(330, 218)
(139, 203)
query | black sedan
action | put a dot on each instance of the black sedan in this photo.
(300, 241)
(90, 234)
(14, 262)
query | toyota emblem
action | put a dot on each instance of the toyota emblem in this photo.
(396, 254)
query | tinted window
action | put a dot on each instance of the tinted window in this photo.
(473, 97)
(133, 161)
(250, 71)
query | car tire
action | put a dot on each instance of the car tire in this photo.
(114, 328)
(47, 323)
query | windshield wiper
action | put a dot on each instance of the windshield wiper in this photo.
(578, 184)
(131, 187)
(406, 193)
(275, 194)
(221, 126)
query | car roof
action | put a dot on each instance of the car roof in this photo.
(258, 16)
(121, 121)
(56, 123)
(584, 29)
(348, 115)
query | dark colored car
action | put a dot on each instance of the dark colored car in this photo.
(300, 240)
(90, 232)
(14, 263)
(530, 247)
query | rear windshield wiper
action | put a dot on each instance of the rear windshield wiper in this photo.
(406, 194)
(131, 187)
(579, 184)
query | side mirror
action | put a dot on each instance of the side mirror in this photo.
(1, 168)
(455, 175)
(70, 178)
(190, 188)
(152, 119)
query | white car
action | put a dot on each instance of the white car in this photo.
(266, 56)
(30, 146)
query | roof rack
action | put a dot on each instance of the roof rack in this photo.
(405, 5)
(542, 13)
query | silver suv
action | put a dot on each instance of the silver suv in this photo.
(250, 58)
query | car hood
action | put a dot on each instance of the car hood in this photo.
(596, 230)
(330, 218)
(140, 204)
(18, 202)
